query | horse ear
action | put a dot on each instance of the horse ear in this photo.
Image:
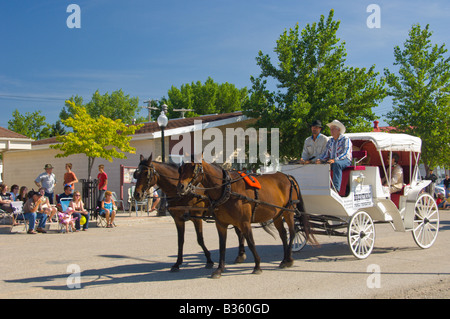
(150, 158)
(141, 158)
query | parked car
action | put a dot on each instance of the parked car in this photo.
(439, 189)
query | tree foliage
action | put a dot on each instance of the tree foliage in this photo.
(115, 106)
(313, 83)
(32, 125)
(205, 98)
(95, 137)
(420, 91)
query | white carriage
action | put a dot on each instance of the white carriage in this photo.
(362, 200)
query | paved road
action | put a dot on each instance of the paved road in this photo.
(133, 261)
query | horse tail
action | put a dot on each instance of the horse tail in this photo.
(306, 225)
(269, 228)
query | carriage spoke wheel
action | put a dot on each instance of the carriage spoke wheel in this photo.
(426, 221)
(299, 240)
(361, 235)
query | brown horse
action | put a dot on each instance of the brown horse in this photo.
(238, 204)
(166, 177)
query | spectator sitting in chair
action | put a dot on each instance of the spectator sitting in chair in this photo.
(5, 201)
(78, 209)
(30, 212)
(156, 199)
(108, 209)
(45, 206)
(67, 194)
(442, 202)
(396, 182)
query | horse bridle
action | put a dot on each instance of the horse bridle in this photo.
(151, 172)
(198, 171)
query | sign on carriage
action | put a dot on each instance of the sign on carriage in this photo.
(362, 196)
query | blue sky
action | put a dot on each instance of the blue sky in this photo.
(145, 46)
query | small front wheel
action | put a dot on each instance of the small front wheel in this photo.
(361, 235)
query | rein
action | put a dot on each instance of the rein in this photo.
(227, 193)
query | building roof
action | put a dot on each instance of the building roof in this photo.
(377, 128)
(153, 127)
(7, 134)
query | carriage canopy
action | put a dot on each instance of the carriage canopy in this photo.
(395, 142)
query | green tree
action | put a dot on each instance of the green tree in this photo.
(115, 106)
(95, 137)
(32, 125)
(420, 92)
(205, 98)
(313, 83)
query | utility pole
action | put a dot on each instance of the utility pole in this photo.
(150, 108)
(182, 111)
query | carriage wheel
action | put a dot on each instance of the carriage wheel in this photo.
(299, 240)
(361, 235)
(426, 221)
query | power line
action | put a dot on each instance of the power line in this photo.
(29, 98)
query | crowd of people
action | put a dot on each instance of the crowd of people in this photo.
(43, 206)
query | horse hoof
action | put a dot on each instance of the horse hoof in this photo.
(174, 269)
(257, 271)
(286, 264)
(216, 275)
(209, 265)
(240, 259)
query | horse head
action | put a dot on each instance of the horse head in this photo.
(145, 176)
(191, 175)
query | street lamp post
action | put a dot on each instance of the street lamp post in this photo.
(162, 122)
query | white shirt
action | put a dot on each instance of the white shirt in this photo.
(313, 149)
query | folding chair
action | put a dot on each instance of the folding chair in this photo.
(136, 203)
(18, 211)
(101, 220)
(116, 200)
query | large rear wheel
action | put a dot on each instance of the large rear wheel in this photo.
(426, 221)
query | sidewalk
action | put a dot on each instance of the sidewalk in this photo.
(122, 219)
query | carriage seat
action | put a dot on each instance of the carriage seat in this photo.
(346, 177)
(395, 197)
(346, 172)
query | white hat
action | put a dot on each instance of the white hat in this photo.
(338, 124)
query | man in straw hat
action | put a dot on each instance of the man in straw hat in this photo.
(338, 152)
(314, 145)
(47, 180)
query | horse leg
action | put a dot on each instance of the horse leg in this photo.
(222, 230)
(248, 234)
(180, 223)
(198, 224)
(288, 260)
(241, 255)
(283, 235)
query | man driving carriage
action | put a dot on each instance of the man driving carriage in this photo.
(314, 145)
(338, 152)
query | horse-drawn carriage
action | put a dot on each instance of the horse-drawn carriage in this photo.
(362, 200)
(301, 196)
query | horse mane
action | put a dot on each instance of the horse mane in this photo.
(171, 165)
